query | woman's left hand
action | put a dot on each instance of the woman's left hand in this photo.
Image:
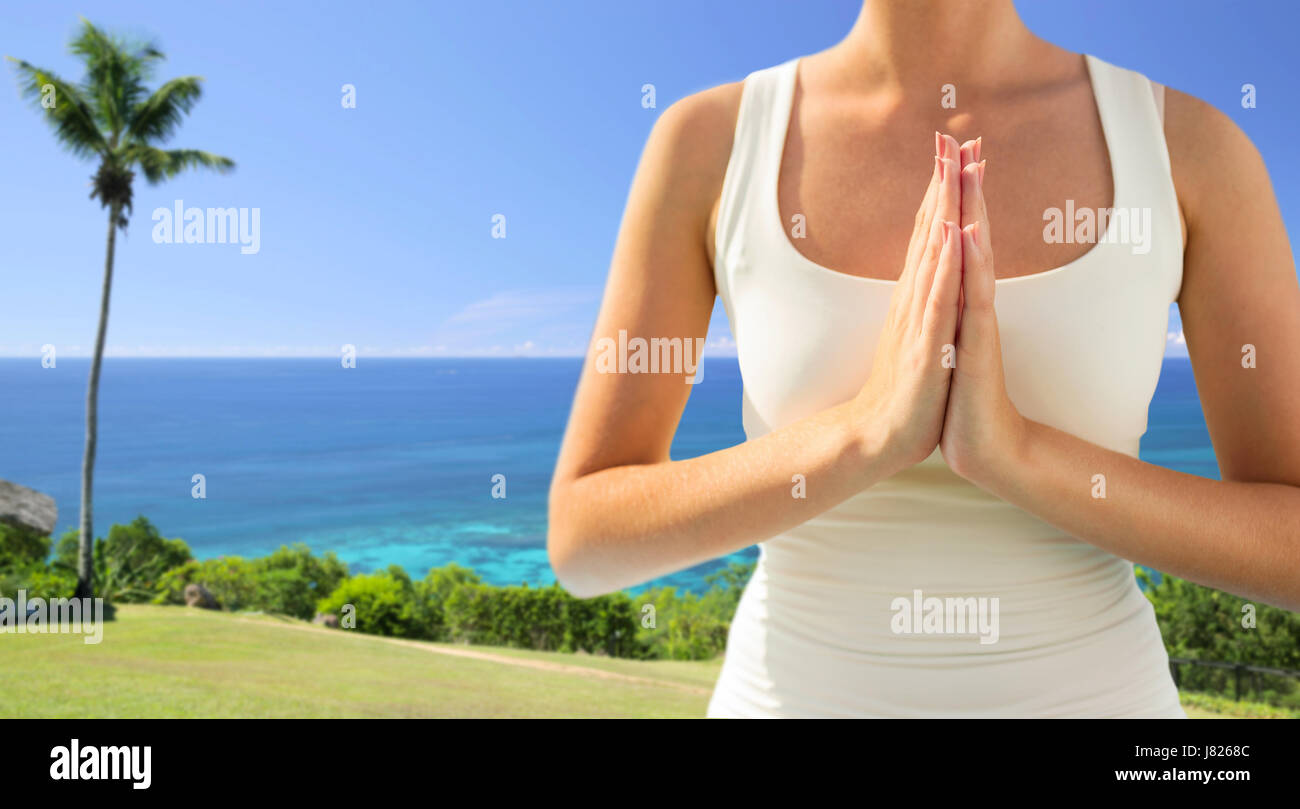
(982, 430)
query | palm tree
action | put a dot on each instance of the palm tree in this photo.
(111, 116)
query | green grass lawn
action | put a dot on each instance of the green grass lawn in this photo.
(177, 662)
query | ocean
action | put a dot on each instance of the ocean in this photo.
(390, 462)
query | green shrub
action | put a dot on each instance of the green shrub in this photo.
(691, 626)
(291, 580)
(603, 625)
(37, 579)
(129, 565)
(284, 591)
(21, 547)
(685, 626)
(451, 603)
(46, 581)
(521, 617)
(1206, 624)
(230, 579)
(1233, 708)
(469, 614)
(431, 597)
(23, 567)
(381, 603)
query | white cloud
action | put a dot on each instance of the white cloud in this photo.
(721, 346)
(1175, 344)
(522, 323)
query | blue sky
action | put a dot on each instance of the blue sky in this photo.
(376, 221)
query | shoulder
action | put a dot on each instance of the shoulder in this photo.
(709, 115)
(1215, 165)
(1213, 162)
(686, 156)
(691, 140)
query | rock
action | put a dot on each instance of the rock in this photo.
(27, 508)
(196, 595)
(328, 619)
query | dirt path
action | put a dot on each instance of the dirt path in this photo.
(475, 654)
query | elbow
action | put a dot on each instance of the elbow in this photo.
(571, 569)
(565, 548)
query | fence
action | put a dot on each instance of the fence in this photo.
(1240, 671)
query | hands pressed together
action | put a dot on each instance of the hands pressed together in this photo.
(937, 378)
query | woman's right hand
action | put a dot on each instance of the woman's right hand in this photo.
(899, 412)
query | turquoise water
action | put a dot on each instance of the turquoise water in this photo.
(387, 463)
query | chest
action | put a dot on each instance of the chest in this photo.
(853, 172)
(821, 202)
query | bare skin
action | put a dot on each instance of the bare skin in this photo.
(623, 512)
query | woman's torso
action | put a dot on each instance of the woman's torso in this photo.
(1082, 342)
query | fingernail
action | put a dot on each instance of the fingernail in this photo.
(982, 172)
(979, 143)
(938, 144)
(938, 163)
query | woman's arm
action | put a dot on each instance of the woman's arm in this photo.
(1241, 534)
(621, 511)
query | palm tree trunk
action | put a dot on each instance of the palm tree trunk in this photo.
(86, 546)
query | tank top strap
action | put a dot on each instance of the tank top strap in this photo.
(1139, 159)
(748, 197)
(1129, 115)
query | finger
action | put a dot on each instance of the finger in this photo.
(939, 325)
(947, 208)
(974, 210)
(977, 280)
(924, 216)
(948, 204)
(961, 304)
(970, 151)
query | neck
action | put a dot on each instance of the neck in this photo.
(919, 42)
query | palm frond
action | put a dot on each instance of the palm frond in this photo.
(113, 115)
(116, 71)
(160, 164)
(157, 117)
(71, 115)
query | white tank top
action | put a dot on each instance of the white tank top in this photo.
(821, 629)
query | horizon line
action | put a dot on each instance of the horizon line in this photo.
(368, 357)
